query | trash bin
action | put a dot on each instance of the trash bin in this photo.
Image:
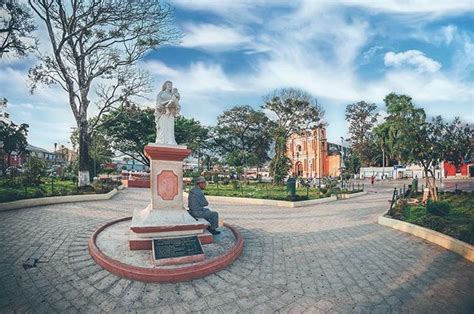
(414, 186)
(291, 187)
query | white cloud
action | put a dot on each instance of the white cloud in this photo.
(413, 7)
(213, 37)
(413, 58)
(369, 54)
(448, 33)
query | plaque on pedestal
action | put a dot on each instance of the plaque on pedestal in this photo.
(177, 250)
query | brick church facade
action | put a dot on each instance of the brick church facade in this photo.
(312, 156)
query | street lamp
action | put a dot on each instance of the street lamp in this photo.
(198, 141)
(319, 156)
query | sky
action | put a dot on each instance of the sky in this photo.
(236, 52)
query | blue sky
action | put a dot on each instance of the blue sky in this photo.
(236, 52)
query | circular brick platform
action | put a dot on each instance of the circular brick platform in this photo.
(136, 269)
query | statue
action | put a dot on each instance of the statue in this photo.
(167, 107)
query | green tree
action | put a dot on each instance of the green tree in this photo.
(98, 41)
(190, 132)
(34, 170)
(362, 117)
(16, 27)
(100, 153)
(383, 141)
(352, 163)
(129, 129)
(425, 144)
(402, 117)
(242, 136)
(295, 111)
(457, 143)
(14, 139)
(412, 138)
(100, 150)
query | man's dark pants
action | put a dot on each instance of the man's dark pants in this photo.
(211, 216)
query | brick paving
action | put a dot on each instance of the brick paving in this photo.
(327, 258)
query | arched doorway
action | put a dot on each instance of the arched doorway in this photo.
(299, 169)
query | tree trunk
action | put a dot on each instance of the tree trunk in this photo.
(83, 177)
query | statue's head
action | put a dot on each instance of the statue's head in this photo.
(167, 85)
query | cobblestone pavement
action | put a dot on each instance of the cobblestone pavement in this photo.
(327, 258)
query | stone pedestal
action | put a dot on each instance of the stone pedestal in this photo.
(166, 215)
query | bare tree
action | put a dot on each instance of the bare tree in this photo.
(98, 40)
(16, 27)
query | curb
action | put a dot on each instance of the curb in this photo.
(165, 275)
(259, 201)
(346, 196)
(464, 249)
(33, 202)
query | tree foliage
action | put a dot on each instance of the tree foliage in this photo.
(34, 170)
(242, 136)
(457, 142)
(16, 27)
(361, 117)
(295, 111)
(192, 133)
(129, 129)
(14, 139)
(352, 163)
(93, 41)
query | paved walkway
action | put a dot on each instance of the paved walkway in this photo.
(326, 258)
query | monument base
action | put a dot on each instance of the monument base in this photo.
(148, 224)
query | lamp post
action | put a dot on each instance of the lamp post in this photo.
(198, 140)
(53, 168)
(342, 162)
(383, 163)
(319, 156)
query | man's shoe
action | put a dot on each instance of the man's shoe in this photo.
(214, 231)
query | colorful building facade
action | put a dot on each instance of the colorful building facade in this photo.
(312, 156)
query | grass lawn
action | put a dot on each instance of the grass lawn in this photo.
(263, 191)
(458, 223)
(12, 191)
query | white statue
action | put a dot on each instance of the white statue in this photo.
(167, 107)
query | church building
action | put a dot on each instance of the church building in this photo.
(312, 156)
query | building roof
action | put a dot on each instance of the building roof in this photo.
(32, 148)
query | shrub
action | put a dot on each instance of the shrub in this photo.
(38, 193)
(413, 212)
(11, 196)
(296, 198)
(235, 184)
(225, 181)
(439, 208)
(323, 190)
(435, 223)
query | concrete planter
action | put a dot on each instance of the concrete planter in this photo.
(347, 196)
(259, 201)
(32, 202)
(464, 249)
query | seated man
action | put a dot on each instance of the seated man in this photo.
(197, 202)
